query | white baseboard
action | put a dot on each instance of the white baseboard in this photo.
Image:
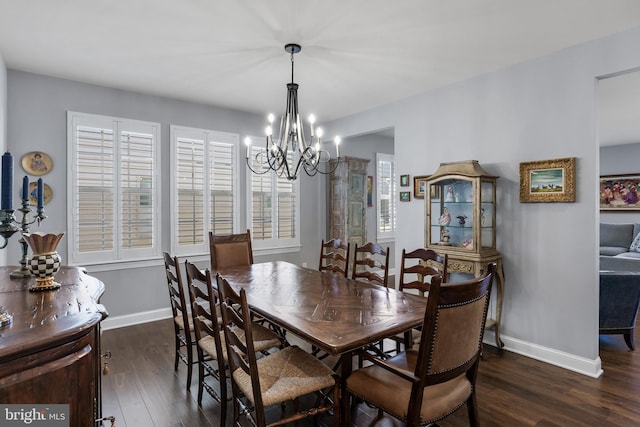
(581, 365)
(135, 318)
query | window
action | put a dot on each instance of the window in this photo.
(273, 208)
(385, 193)
(204, 187)
(114, 190)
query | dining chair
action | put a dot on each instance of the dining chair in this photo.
(432, 382)
(233, 250)
(371, 264)
(334, 257)
(209, 343)
(230, 250)
(416, 270)
(418, 266)
(181, 322)
(274, 379)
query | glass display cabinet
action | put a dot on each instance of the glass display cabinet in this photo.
(461, 213)
(460, 207)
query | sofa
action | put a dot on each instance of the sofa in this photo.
(616, 251)
(619, 302)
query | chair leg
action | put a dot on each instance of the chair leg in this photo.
(200, 381)
(628, 338)
(472, 408)
(223, 393)
(177, 355)
(189, 365)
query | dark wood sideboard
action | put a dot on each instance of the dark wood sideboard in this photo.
(50, 353)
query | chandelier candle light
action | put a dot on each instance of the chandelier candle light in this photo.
(291, 139)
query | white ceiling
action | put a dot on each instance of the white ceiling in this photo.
(356, 54)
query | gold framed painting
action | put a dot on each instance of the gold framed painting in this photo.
(620, 193)
(548, 181)
(419, 186)
(37, 163)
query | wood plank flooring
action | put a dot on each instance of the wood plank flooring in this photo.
(142, 389)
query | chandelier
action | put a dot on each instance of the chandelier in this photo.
(290, 152)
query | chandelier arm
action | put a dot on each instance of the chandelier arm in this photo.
(262, 172)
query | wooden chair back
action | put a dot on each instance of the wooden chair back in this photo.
(207, 325)
(239, 339)
(204, 297)
(419, 266)
(371, 263)
(230, 250)
(334, 257)
(181, 318)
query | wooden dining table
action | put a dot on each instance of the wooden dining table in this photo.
(335, 314)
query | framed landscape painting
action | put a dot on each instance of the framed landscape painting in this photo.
(619, 193)
(548, 181)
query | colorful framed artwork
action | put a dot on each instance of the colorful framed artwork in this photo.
(619, 193)
(405, 196)
(370, 191)
(404, 180)
(419, 186)
(548, 181)
(37, 163)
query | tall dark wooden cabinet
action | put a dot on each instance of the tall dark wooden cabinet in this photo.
(347, 200)
(50, 352)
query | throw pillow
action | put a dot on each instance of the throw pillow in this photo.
(635, 246)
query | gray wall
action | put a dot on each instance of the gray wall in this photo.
(541, 109)
(37, 108)
(620, 159)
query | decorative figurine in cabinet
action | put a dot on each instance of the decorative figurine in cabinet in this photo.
(460, 207)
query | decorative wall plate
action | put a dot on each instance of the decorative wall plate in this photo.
(37, 163)
(33, 191)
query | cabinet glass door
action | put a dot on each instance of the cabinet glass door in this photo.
(487, 206)
(452, 213)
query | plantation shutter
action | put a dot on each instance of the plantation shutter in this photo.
(113, 189)
(261, 202)
(222, 186)
(386, 196)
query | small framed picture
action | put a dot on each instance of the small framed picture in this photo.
(405, 196)
(404, 180)
(419, 185)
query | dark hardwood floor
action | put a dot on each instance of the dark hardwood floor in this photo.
(142, 388)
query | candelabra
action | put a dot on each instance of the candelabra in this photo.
(8, 228)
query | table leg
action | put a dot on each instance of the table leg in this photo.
(346, 359)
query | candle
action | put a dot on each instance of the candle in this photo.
(7, 181)
(25, 189)
(40, 194)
